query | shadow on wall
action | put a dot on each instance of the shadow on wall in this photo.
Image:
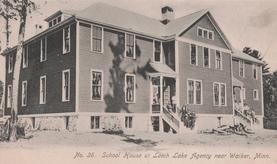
(115, 102)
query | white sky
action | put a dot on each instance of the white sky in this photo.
(245, 22)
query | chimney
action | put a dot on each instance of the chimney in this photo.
(38, 28)
(167, 14)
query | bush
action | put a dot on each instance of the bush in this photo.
(188, 117)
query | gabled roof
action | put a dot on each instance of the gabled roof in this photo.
(240, 55)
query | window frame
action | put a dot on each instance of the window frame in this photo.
(92, 38)
(196, 54)
(125, 88)
(256, 98)
(9, 96)
(102, 84)
(194, 91)
(205, 30)
(154, 51)
(45, 49)
(255, 67)
(22, 93)
(41, 101)
(125, 45)
(209, 59)
(129, 122)
(93, 119)
(10, 63)
(63, 85)
(219, 94)
(221, 60)
(243, 90)
(242, 66)
(25, 61)
(69, 31)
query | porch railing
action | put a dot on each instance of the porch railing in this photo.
(171, 117)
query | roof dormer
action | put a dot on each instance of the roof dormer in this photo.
(57, 17)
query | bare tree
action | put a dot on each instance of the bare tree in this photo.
(21, 9)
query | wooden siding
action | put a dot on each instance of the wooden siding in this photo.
(54, 65)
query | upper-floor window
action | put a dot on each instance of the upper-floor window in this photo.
(241, 68)
(206, 57)
(205, 33)
(97, 39)
(130, 86)
(55, 21)
(255, 71)
(193, 54)
(10, 64)
(66, 85)
(218, 60)
(25, 57)
(255, 94)
(128, 122)
(42, 90)
(194, 92)
(43, 49)
(66, 39)
(157, 51)
(9, 96)
(219, 94)
(130, 46)
(24, 93)
(96, 85)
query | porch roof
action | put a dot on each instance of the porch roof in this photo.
(237, 82)
(161, 69)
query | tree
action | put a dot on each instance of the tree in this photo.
(21, 9)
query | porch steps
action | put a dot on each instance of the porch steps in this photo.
(171, 119)
(242, 118)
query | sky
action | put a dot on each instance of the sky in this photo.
(250, 23)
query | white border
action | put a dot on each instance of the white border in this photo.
(9, 92)
(91, 38)
(196, 54)
(125, 45)
(242, 64)
(161, 59)
(209, 53)
(208, 31)
(65, 52)
(125, 87)
(63, 82)
(102, 83)
(219, 96)
(40, 94)
(25, 60)
(221, 60)
(257, 91)
(45, 42)
(194, 91)
(22, 101)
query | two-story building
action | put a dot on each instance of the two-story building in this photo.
(105, 67)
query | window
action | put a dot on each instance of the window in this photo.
(157, 51)
(66, 85)
(241, 68)
(155, 120)
(243, 90)
(42, 89)
(97, 39)
(96, 85)
(255, 71)
(218, 60)
(24, 94)
(194, 92)
(54, 22)
(130, 46)
(43, 49)
(219, 91)
(66, 40)
(50, 24)
(59, 19)
(205, 33)
(128, 122)
(95, 122)
(255, 94)
(193, 54)
(130, 88)
(25, 57)
(9, 101)
(10, 65)
(206, 57)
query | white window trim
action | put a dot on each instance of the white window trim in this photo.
(45, 42)
(194, 91)
(242, 64)
(253, 67)
(9, 96)
(221, 60)
(63, 84)
(243, 90)
(204, 29)
(125, 88)
(22, 100)
(91, 38)
(102, 84)
(65, 52)
(161, 53)
(125, 44)
(25, 60)
(10, 67)
(95, 122)
(219, 96)
(256, 98)
(40, 90)
(209, 50)
(128, 122)
(196, 54)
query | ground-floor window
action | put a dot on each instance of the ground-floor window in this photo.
(219, 94)
(155, 123)
(255, 94)
(194, 92)
(128, 122)
(95, 122)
